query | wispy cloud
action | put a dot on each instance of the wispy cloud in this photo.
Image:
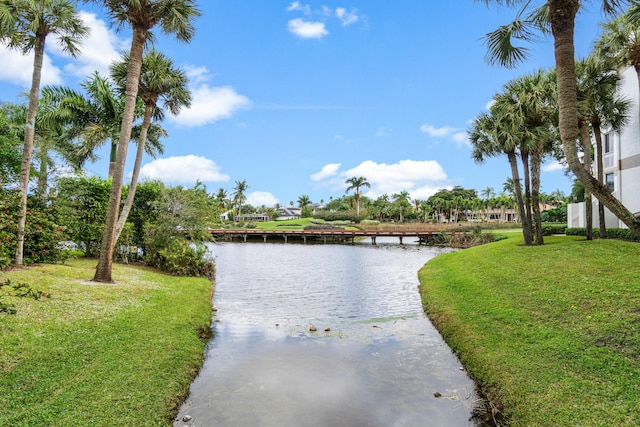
(452, 133)
(259, 198)
(347, 18)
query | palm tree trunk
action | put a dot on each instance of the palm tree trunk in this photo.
(526, 172)
(146, 122)
(105, 261)
(513, 161)
(29, 136)
(113, 155)
(562, 15)
(536, 161)
(600, 166)
(585, 138)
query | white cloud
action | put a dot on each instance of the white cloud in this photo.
(197, 74)
(347, 18)
(259, 198)
(461, 139)
(306, 29)
(211, 104)
(327, 171)
(18, 68)
(421, 178)
(553, 166)
(489, 104)
(438, 132)
(296, 6)
(183, 170)
(98, 51)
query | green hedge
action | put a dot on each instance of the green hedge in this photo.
(550, 228)
(612, 233)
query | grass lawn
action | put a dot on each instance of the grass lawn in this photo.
(552, 333)
(100, 354)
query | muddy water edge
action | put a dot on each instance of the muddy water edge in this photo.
(326, 335)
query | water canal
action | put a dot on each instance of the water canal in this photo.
(379, 363)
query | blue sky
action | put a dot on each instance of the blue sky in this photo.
(296, 97)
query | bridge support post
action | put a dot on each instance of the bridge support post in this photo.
(264, 238)
(245, 238)
(400, 239)
(304, 238)
(285, 238)
(373, 240)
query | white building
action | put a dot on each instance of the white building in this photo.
(621, 160)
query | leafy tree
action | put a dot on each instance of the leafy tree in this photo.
(9, 146)
(174, 17)
(558, 16)
(355, 183)
(83, 205)
(25, 25)
(159, 81)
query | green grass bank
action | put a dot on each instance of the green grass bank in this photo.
(100, 354)
(552, 333)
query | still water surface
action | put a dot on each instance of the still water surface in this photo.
(379, 364)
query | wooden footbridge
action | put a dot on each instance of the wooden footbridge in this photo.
(324, 236)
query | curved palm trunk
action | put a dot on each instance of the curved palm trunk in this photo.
(105, 262)
(588, 202)
(600, 166)
(146, 122)
(513, 161)
(562, 15)
(536, 162)
(113, 155)
(27, 151)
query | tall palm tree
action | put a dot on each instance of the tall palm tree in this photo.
(599, 106)
(401, 200)
(173, 17)
(238, 194)
(492, 134)
(25, 25)
(558, 16)
(355, 184)
(159, 81)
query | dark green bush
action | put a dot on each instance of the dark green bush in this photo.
(558, 214)
(612, 233)
(553, 228)
(340, 216)
(184, 258)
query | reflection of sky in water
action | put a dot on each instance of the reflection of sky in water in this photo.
(379, 365)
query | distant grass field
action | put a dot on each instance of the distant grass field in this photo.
(551, 332)
(100, 354)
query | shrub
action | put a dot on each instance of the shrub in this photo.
(553, 228)
(558, 214)
(184, 258)
(340, 216)
(369, 222)
(612, 233)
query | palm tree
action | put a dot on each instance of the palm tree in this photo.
(159, 81)
(238, 194)
(304, 201)
(620, 41)
(355, 184)
(559, 16)
(174, 17)
(93, 118)
(25, 25)
(599, 106)
(492, 134)
(401, 200)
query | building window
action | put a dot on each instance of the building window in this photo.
(609, 181)
(607, 143)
